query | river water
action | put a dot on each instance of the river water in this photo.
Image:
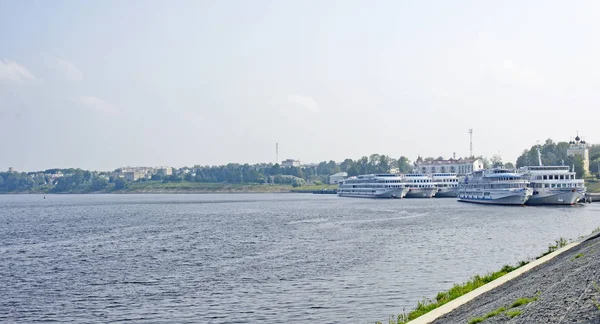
(248, 258)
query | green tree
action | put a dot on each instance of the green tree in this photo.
(344, 166)
(404, 165)
(595, 166)
(509, 165)
(120, 184)
(353, 171)
(576, 161)
(99, 184)
(298, 182)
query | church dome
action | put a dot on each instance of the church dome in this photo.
(577, 138)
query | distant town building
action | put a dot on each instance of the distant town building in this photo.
(134, 175)
(164, 171)
(338, 177)
(460, 166)
(11, 170)
(580, 147)
(290, 163)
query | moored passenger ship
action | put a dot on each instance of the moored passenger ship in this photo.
(373, 186)
(495, 186)
(447, 184)
(553, 185)
(420, 186)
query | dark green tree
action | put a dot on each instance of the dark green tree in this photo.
(120, 184)
(99, 184)
(404, 165)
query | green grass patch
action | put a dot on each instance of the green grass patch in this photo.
(594, 301)
(561, 242)
(513, 312)
(315, 188)
(495, 312)
(592, 186)
(578, 256)
(476, 320)
(522, 301)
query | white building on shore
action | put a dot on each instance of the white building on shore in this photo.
(290, 163)
(338, 177)
(580, 147)
(458, 166)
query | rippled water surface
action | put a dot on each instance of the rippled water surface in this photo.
(267, 258)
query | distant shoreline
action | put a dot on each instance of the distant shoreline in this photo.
(184, 188)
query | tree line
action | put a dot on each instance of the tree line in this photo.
(275, 173)
(556, 154)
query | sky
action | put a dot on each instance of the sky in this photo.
(103, 84)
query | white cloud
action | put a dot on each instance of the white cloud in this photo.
(69, 70)
(97, 104)
(307, 103)
(14, 72)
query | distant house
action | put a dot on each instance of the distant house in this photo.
(290, 163)
(134, 175)
(338, 177)
(164, 171)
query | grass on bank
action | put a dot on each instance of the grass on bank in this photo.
(594, 301)
(513, 313)
(153, 186)
(312, 188)
(427, 305)
(183, 186)
(510, 312)
(592, 186)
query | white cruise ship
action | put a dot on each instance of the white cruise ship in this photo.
(373, 186)
(495, 186)
(447, 184)
(420, 185)
(553, 185)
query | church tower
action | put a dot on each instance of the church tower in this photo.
(580, 147)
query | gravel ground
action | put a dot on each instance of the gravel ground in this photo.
(564, 287)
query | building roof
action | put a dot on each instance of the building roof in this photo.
(449, 161)
(340, 174)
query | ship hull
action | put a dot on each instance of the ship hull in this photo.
(385, 194)
(447, 193)
(421, 193)
(509, 200)
(400, 193)
(517, 198)
(570, 197)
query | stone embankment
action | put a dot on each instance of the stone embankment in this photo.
(563, 289)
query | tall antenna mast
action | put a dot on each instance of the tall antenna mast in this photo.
(471, 142)
(276, 153)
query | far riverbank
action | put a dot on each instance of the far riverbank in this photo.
(183, 187)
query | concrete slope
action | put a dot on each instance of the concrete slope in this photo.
(563, 283)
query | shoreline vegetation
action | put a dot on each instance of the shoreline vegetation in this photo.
(158, 187)
(427, 304)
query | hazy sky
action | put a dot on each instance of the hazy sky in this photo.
(104, 84)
